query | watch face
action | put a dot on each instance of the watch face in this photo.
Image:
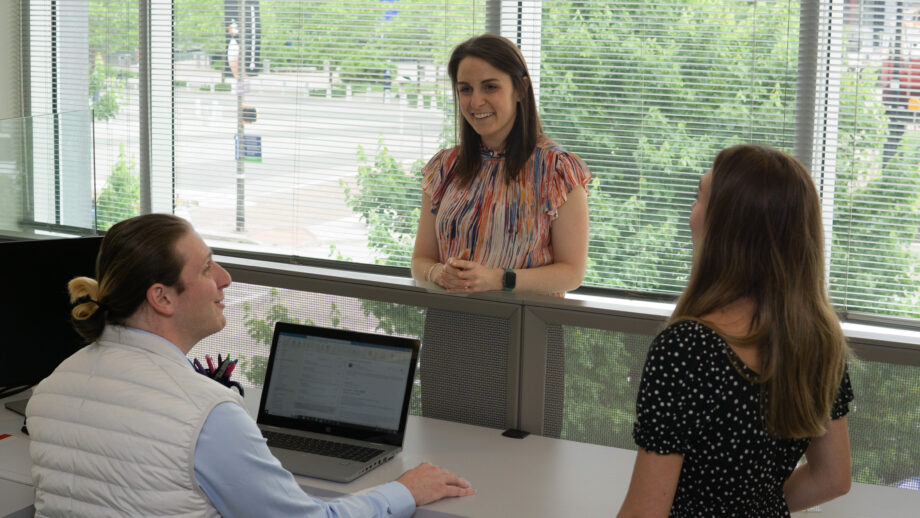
(509, 280)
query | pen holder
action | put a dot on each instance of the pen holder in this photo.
(220, 371)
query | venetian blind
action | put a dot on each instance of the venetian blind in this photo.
(300, 127)
(312, 146)
(868, 145)
(79, 84)
(647, 93)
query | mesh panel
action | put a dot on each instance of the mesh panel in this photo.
(464, 365)
(884, 423)
(464, 358)
(602, 373)
(252, 311)
(603, 370)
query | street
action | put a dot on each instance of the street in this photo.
(294, 202)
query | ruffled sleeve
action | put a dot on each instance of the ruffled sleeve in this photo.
(433, 177)
(568, 171)
(844, 396)
(669, 409)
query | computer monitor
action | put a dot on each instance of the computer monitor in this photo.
(35, 329)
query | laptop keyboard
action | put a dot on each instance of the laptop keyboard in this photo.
(320, 447)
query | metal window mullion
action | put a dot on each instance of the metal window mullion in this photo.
(494, 16)
(806, 81)
(143, 108)
(826, 85)
(161, 128)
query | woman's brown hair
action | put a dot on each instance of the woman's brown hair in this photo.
(527, 129)
(762, 239)
(135, 254)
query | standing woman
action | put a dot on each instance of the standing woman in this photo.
(751, 373)
(504, 210)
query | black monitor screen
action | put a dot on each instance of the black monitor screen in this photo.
(35, 329)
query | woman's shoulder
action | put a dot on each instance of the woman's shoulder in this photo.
(436, 172)
(547, 145)
(689, 328)
(444, 156)
(559, 169)
(688, 337)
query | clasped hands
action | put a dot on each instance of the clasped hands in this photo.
(460, 275)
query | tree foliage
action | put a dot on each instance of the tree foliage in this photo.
(105, 87)
(121, 197)
(261, 328)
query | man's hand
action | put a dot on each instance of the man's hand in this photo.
(429, 483)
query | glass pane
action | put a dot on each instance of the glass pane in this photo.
(45, 179)
(872, 151)
(314, 145)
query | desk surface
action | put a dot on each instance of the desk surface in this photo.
(532, 477)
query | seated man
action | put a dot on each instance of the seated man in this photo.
(126, 427)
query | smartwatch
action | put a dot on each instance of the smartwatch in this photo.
(509, 279)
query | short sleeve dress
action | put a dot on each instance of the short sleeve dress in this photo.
(463, 368)
(693, 401)
(503, 225)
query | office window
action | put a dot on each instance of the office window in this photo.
(300, 127)
(646, 94)
(868, 154)
(82, 100)
(311, 145)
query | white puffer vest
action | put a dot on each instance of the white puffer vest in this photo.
(114, 430)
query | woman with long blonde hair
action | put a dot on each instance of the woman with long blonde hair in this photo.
(750, 374)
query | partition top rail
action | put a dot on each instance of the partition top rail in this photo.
(871, 341)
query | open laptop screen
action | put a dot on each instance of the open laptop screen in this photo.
(324, 379)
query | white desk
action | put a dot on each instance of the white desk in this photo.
(541, 477)
(15, 493)
(532, 477)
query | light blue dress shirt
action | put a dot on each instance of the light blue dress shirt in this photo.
(241, 477)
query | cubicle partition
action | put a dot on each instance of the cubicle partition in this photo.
(602, 340)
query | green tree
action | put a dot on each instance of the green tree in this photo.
(104, 90)
(261, 329)
(641, 104)
(112, 27)
(388, 199)
(121, 197)
(876, 209)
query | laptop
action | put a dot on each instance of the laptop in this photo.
(334, 402)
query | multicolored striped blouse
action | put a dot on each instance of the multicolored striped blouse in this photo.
(503, 225)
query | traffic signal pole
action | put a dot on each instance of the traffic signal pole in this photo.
(240, 131)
